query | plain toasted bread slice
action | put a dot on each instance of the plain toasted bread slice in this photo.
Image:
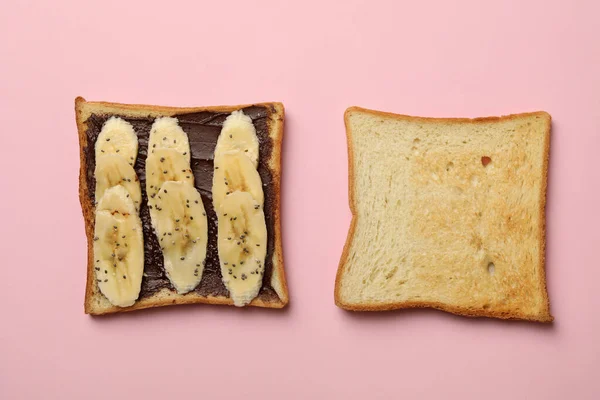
(447, 213)
(87, 112)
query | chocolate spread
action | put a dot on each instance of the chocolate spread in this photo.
(203, 129)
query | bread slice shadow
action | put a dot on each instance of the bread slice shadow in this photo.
(418, 314)
(190, 311)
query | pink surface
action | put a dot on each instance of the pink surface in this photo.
(456, 58)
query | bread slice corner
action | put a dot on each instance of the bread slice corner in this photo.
(447, 213)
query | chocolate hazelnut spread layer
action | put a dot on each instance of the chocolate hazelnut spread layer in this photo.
(203, 129)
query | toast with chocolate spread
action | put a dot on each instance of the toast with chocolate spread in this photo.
(181, 205)
(448, 213)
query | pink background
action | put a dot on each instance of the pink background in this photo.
(455, 58)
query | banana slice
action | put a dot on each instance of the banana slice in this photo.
(238, 134)
(118, 247)
(182, 229)
(242, 244)
(113, 170)
(234, 171)
(167, 134)
(163, 166)
(117, 137)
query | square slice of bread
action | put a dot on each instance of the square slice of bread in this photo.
(446, 213)
(270, 116)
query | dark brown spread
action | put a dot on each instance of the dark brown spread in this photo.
(203, 129)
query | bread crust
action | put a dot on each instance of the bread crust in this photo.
(166, 297)
(465, 311)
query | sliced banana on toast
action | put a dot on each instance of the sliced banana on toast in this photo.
(118, 247)
(117, 137)
(118, 241)
(166, 133)
(235, 171)
(176, 208)
(182, 229)
(242, 245)
(238, 199)
(112, 170)
(238, 134)
(168, 158)
(165, 165)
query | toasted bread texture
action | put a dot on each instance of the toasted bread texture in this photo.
(446, 213)
(95, 302)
